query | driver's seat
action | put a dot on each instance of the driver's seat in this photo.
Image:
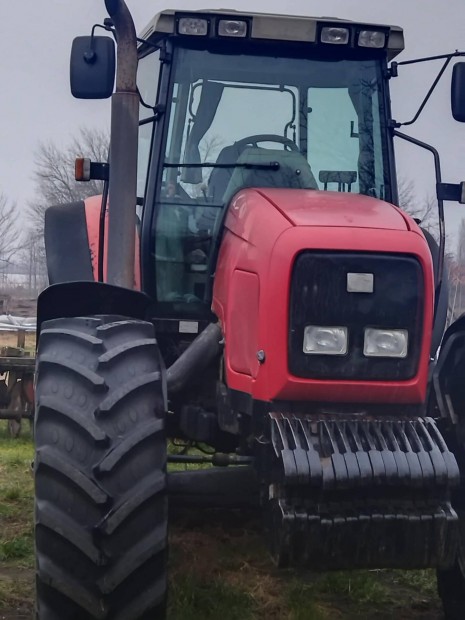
(220, 177)
(294, 171)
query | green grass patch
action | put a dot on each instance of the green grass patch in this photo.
(192, 598)
(422, 582)
(358, 587)
(15, 452)
(302, 603)
(362, 594)
(19, 547)
(16, 530)
(16, 482)
(12, 494)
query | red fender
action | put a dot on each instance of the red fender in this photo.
(92, 209)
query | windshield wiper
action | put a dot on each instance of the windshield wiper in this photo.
(272, 165)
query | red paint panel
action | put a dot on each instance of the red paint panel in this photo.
(92, 207)
(261, 238)
(311, 208)
(248, 213)
(243, 313)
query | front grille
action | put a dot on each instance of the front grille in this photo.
(319, 296)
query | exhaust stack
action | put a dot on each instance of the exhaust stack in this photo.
(123, 150)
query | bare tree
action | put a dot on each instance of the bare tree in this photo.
(54, 172)
(55, 185)
(210, 147)
(461, 245)
(209, 150)
(10, 242)
(406, 191)
(33, 261)
(424, 212)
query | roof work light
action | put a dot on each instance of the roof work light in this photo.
(372, 38)
(193, 26)
(334, 35)
(232, 28)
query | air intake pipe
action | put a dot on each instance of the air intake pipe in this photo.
(195, 359)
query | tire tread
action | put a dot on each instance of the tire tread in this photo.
(91, 563)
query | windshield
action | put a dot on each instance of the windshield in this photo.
(328, 111)
(255, 121)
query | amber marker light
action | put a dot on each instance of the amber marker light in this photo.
(82, 169)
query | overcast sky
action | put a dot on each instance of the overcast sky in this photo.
(36, 104)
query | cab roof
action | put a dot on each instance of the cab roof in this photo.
(268, 26)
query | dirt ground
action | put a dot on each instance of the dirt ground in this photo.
(222, 570)
(259, 581)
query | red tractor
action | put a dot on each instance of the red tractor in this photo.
(299, 314)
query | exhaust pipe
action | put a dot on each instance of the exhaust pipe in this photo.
(195, 359)
(123, 150)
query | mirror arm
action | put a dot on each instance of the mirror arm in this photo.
(90, 56)
(442, 229)
(392, 72)
(455, 54)
(426, 99)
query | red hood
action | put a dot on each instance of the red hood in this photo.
(265, 231)
(314, 208)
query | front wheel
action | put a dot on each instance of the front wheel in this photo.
(100, 471)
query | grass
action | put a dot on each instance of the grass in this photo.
(218, 571)
(16, 535)
(193, 598)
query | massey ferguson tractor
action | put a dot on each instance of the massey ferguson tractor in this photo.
(247, 286)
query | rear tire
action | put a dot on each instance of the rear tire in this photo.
(451, 590)
(100, 471)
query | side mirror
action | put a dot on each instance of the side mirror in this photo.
(457, 95)
(92, 67)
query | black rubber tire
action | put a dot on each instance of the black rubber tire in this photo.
(451, 590)
(100, 471)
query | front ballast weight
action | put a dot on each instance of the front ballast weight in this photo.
(350, 493)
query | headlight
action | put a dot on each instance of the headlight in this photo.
(372, 38)
(385, 343)
(194, 26)
(325, 340)
(335, 36)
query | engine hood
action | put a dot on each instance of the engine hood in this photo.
(258, 289)
(335, 209)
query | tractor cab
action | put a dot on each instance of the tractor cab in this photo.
(251, 101)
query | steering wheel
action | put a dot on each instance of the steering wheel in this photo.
(267, 137)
